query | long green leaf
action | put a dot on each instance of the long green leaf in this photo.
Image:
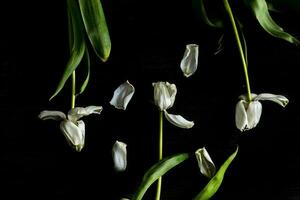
(96, 28)
(78, 47)
(261, 12)
(156, 171)
(213, 185)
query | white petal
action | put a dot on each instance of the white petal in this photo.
(279, 99)
(205, 163)
(164, 94)
(178, 120)
(253, 113)
(74, 134)
(81, 126)
(189, 62)
(78, 112)
(119, 154)
(122, 96)
(241, 119)
(55, 115)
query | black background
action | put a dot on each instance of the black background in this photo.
(148, 41)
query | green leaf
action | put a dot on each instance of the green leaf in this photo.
(213, 185)
(201, 8)
(156, 171)
(77, 44)
(96, 28)
(261, 12)
(86, 62)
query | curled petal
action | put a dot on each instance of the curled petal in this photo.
(78, 112)
(178, 121)
(279, 99)
(74, 134)
(55, 115)
(205, 163)
(164, 95)
(122, 96)
(189, 62)
(119, 154)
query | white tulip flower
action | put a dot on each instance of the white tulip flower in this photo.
(205, 163)
(70, 125)
(189, 62)
(164, 98)
(119, 153)
(122, 95)
(247, 114)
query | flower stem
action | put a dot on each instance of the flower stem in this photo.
(73, 97)
(237, 37)
(160, 153)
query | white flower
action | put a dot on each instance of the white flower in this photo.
(206, 165)
(72, 128)
(119, 154)
(247, 114)
(164, 97)
(189, 62)
(122, 95)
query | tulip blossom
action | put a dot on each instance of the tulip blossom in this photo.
(119, 154)
(70, 125)
(247, 114)
(189, 62)
(164, 97)
(205, 163)
(122, 95)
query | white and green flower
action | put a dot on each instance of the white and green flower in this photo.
(70, 125)
(247, 114)
(189, 62)
(164, 98)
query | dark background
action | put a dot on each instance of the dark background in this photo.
(148, 41)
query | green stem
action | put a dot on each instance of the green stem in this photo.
(73, 97)
(160, 153)
(237, 37)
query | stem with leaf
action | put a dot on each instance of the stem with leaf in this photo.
(237, 37)
(160, 153)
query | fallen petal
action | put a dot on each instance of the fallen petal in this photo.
(122, 95)
(55, 115)
(205, 163)
(189, 62)
(178, 121)
(119, 154)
